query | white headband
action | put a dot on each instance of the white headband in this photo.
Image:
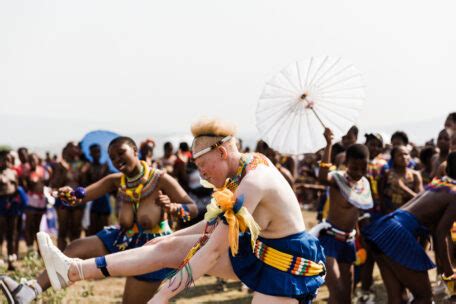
(212, 147)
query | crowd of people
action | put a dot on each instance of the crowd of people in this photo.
(383, 179)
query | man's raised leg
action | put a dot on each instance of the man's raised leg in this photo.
(168, 253)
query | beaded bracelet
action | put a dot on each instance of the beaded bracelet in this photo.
(449, 278)
(74, 197)
(325, 165)
(184, 213)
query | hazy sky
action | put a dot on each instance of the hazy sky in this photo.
(156, 66)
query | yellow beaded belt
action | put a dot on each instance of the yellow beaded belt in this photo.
(287, 262)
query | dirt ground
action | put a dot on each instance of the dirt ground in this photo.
(206, 289)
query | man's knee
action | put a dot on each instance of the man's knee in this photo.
(166, 244)
(166, 248)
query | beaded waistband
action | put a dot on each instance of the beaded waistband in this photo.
(287, 262)
(340, 235)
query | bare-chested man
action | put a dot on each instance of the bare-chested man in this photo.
(284, 266)
(349, 192)
(140, 191)
(394, 238)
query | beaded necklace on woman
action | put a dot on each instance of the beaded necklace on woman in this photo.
(132, 189)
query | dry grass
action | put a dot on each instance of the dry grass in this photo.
(204, 291)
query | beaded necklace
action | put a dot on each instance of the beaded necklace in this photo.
(247, 162)
(136, 180)
(445, 184)
(133, 193)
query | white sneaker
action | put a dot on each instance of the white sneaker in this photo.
(17, 293)
(57, 264)
(366, 297)
(439, 288)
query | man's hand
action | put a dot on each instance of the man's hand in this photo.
(329, 136)
(158, 298)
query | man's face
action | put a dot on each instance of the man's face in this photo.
(23, 155)
(148, 150)
(348, 139)
(453, 142)
(95, 153)
(212, 165)
(374, 146)
(73, 151)
(397, 141)
(356, 168)
(450, 124)
(443, 141)
(33, 160)
(169, 149)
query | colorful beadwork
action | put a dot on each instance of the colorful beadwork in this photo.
(184, 213)
(287, 262)
(445, 184)
(247, 163)
(148, 183)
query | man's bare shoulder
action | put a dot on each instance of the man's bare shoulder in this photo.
(257, 178)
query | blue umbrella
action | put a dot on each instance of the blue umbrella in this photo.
(102, 138)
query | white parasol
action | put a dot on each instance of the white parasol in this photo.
(304, 98)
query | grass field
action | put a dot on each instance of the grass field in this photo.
(205, 289)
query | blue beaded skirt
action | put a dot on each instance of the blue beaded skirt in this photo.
(270, 281)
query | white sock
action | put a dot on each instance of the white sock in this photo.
(26, 295)
(34, 284)
(78, 263)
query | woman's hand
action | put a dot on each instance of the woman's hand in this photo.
(163, 200)
(67, 195)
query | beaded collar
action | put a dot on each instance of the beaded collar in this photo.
(247, 162)
(445, 184)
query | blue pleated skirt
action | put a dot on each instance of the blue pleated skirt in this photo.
(396, 236)
(341, 251)
(271, 281)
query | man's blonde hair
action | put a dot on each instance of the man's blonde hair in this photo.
(213, 127)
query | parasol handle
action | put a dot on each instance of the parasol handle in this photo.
(318, 117)
(310, 105)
